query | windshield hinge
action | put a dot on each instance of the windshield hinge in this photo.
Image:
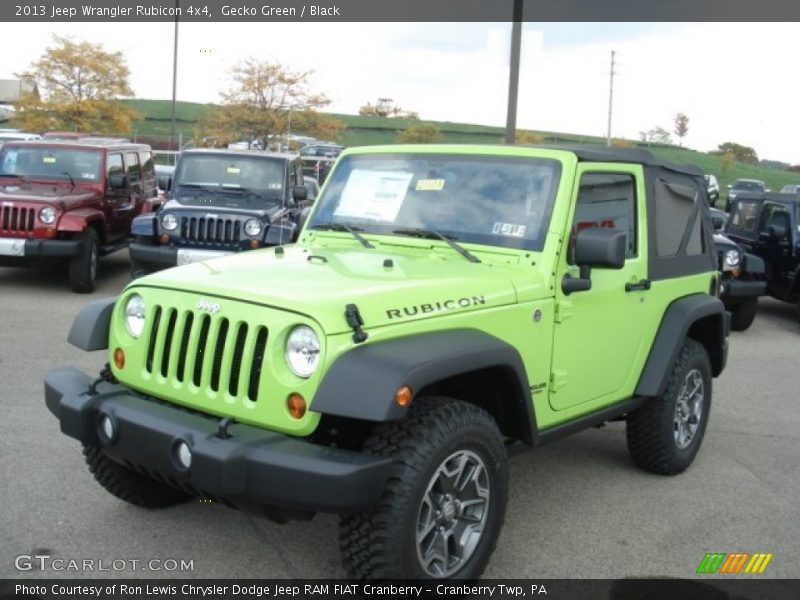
(355, 321)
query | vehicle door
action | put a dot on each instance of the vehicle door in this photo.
(742, 225)
(775, 242)
(123, 181)
(596, 338)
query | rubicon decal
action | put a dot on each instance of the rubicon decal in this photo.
(734, 563)
(421, 309)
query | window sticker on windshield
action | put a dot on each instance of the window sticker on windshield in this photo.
(510, 229)
(49, 160)
(87, 175)
(430, 185)
(233, 170)
(374, 195)
(274, 186)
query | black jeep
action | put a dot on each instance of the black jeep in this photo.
(743, 278)
(221, 201)
(767, 225)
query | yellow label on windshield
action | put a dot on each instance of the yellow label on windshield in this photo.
(430, 185)
(233, 170)
(49, 160)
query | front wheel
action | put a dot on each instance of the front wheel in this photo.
(83, 266)
(665, 434)
(445, 500)
(743, 314)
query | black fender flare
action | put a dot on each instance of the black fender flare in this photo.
(90, 328)
(676, 324)
(362, 382)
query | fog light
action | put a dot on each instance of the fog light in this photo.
(119, 358)
(296, 405)
(403, 396)
(183, 454)
(107, 428)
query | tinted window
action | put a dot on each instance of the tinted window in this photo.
(774, 215)
(748, 186)
(502, 201)
(148, 169)
(132, 161)
(744, 216)
(607, 200)
(677, 208)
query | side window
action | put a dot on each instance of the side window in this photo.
(607, 200)
(114, 165)
(744, 216)
(298, 171)
(148, 170)
(132, 162)
(774, 215)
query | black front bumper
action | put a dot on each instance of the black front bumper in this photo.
(252, 467)
(36, 250)
(736, 290)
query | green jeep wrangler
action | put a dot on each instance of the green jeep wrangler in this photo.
(441, 303)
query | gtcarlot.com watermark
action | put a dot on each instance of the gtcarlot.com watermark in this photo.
(45, 562)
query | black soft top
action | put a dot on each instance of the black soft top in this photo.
(638, 156)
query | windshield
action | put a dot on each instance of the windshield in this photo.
(229, 180)
(748, 186)
(496, 200)
(43, 162)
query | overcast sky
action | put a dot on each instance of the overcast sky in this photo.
(734, 81)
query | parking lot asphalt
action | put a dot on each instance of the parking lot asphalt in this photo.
(577, 508)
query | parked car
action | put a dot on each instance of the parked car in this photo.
(767, 225)
(318, 159)
(712, 187)
(792, 188)
(743, 278)
(743, 186)
(442, 303)
(221, 201)
(10, 135)
(73, 201)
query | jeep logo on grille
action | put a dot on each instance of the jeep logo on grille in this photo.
(211, 307)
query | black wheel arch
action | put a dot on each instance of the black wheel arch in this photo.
(701, 317)
(467, 364)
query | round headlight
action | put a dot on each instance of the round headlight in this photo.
(302, 351)
(47, 215)
(732, 258)
(252, 227)
(169, 222)
(134, 315)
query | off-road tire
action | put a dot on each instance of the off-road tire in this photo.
(83, 266)
(381, 543)
(651, 429)
(743, 314)
(128, 485)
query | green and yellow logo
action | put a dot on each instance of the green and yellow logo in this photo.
(734, 563)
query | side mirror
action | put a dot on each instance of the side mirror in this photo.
(165, 183)
(776, 232)
(596, 247)
(299, 193)
(118, 182)
(718, 222)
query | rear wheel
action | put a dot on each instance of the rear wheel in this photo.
(444, 502)
(743, 314)
(83, 266)
(128, 485)
(665, 434)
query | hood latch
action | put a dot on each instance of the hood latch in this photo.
(355, 321)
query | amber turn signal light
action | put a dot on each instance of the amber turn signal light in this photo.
(164, 238)
(296, 405)
(254, 244)
(119, 358)
(403, 396)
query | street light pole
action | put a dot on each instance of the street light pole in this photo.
(174, 74)
(610, 98)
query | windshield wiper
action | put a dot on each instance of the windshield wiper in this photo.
(342, 227)
(432, 234)
(71, 180)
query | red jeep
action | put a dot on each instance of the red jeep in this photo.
(72, 200)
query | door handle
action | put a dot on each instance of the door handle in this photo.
(640, 286)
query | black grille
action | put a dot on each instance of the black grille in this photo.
(18, 219)
(213, 352)
(211, 231)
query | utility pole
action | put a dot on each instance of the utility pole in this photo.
(513, 76)
(610, 97)
(174, 75)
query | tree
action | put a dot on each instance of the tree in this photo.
(681, 127)
(656, 135)
(522, 136)
(420, 133)
(744, 154)
(725, 160)
(80, 85)
(265, 102)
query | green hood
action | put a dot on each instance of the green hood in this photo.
(320, 281)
